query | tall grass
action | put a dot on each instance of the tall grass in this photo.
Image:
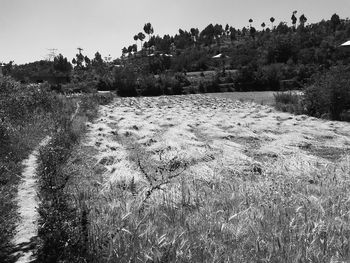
(289, 102)
(27, 114)
(274, 215)
(57, 219)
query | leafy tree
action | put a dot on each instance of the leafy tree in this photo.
(227, 29)
(61, 64)
(87, 61)
(218, 31)
(282, 28)
(208, 34)
(79, 61)
(7, 68)
(233, 33)
(252, 31)
(263, 25)
(97, 60)
(335, 21)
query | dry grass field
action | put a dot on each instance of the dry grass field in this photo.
(258, 97)
(205, 178)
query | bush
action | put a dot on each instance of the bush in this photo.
(148, 86)
(125, 82)
(329, 95)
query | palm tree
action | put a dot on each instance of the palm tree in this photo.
(272, 19)
(250, 22)
(149, 31)
(141, 36)
(124, 51)
(136, 37)
(263, 25)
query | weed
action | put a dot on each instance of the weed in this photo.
(289, 102)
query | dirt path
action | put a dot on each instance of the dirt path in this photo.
(28, 203)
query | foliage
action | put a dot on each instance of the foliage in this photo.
(329, 95)
(289, 102)
(27, 114)
(59, 228)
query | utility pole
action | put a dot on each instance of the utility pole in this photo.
(52, 53)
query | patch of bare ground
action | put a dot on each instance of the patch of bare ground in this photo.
(28, 203)
(172, 173)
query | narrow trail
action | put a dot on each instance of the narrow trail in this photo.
(27, 200)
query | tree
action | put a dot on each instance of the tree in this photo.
(227, 29)
(97, 60)
(141, 36)
(250, 22)
(194, 34)
(98, 64)
(263, 25)
(79, 59)
(87, 61)
(217, 32)
(272, 19)
(124, 51)
(61, 64)
(207, 34)
(335, 21)
(130, 49)
(149, 31)
(233, 32)
(252, 31)
(136, 37)
(302, 20)
(294, 19)
(7, 68)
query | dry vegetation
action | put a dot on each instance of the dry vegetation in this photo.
(204, 179)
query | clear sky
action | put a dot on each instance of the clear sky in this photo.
(28, 28)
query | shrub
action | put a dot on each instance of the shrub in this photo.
(329, 95)
(125, 82)
(148, 86)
